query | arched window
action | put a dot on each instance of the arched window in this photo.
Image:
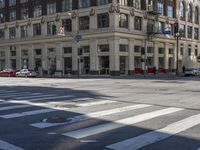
(137, 4)
(190, 15)
(196, 15)
(182, 10)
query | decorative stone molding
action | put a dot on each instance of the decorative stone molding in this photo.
(117, 9)
(5, 26)
(42, 20)
(74, 15)
(132, 12)
(57, 18)
(111, 8)
(92, 12)
(145, 15)
(29, 22)
(16, 24)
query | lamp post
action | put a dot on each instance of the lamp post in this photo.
(177, 35)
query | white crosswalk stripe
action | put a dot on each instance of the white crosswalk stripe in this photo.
(7, 92)
(119, 123)
(158, 135)
(7, 146)
(91, 115)
(35, 95)
(14, 94)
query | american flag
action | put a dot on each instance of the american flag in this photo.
(62, 30)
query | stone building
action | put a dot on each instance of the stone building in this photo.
(117, 36)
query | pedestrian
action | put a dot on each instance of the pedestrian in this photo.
(183, 69)
(154, 70)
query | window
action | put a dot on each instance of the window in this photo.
(84, 3)
(2, 53)
(161, 27)
(2, 34)
(170, 11)
(24, 12)
(37, 11)
(137, 4)
(123, 20)
(102, 2)
(103, 48)
(137, 49)
(2, 17)
(137, 61)
(171, 51)
(196, 33)
(24, 31)
(23, 1)
(12, 2)
(67, 24)
(51, 8)
(66, 5)
(150, 50)
(190, 12)
(12, 33)
(13, 63)
(181, 51)
(84, 23)
(123, 2)
(160, 6)
(161, 50)
(189, 51)
(12, 15)
(123, 48)
(38, 52)
(196, 15)
(138, 23)
(161, 61)
(36, 29)
(103, 20)
(149, 61)
(189, 32)
(2, 3)
(67, 50)
(85, 49)
(13, 53)
(196, 52)
(51, 28)
(24, 52)
(182, 10)
(182, 30)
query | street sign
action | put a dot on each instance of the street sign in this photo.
(78, 37)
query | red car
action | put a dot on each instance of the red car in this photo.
(8, 73)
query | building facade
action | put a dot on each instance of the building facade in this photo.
(118, 36)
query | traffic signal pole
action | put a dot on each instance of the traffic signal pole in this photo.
(177, 35)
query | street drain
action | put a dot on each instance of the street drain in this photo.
(57, 120)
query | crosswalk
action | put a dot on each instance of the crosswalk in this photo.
(113, 116)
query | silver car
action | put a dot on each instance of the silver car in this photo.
(192, 71)
(26, 73)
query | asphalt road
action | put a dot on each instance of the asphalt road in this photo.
(100, 114)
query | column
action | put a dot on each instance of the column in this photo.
(94, 61)
(114, 56)
(18, 35)
(59, 57)
(44, 59)
(156, 44)
(131, 23)
(75, 25)
(93, 22)
(131, 66)
(18, 57)
(114, 20)
(6, 32)
(31, 57)
(44, 28)
(74, 59)
(175, 60)
(7, 57)
(166, 58)
(30, 30)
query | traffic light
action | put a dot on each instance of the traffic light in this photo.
(176, 28)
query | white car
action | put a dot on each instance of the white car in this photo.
(192, 72)
(26, 73)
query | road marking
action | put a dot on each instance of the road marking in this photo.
(96, 103)
(198, 149)
(4, 92)
(27, 113)
(34, 96)
(49, 98)
(7, 146)
(85, 132)
(79, 118)
(13, 94)
(14, 107)
(157, 135)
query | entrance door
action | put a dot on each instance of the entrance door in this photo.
(68, 65)
(123, 65)
(104, 64)
(86, 65)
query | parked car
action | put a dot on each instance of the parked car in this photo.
(8, 73)
(192, 71)
(26, 73)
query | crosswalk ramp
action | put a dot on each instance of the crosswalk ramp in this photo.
(100, 120)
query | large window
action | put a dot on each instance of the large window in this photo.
(12, 2)
(24, 31)
(67, 24)
(196, 33)
(123, 48)
(2, 17)
(182, 30)
(196, 15)
(12, 33)
(189, 32)
(103, 48)
(137, 4)
(138, 23)
(103, 20)
(190, 13)
(102, 2)
(84, 3)
(170, 11)
(123, 20)
(2, 34)
(123, 2)
(12, 15)
(37, 11)
(51, 8)
(36, 29)
(160, 8)
(2, 3)
(51, 28)
(182, 10)
(66, 5)
(84, 23)
(24, 12)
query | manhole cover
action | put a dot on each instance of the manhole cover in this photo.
(56, 120)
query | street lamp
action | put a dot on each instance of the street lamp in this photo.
(177, 36)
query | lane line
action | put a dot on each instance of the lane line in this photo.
(157, 135)
(95, 103)
(84, 117)
(49, 98)
(7, 146)
(27, 113)
(13, 94)
(34, 96)
(85, 132)
(14, 107)
(7, 92)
